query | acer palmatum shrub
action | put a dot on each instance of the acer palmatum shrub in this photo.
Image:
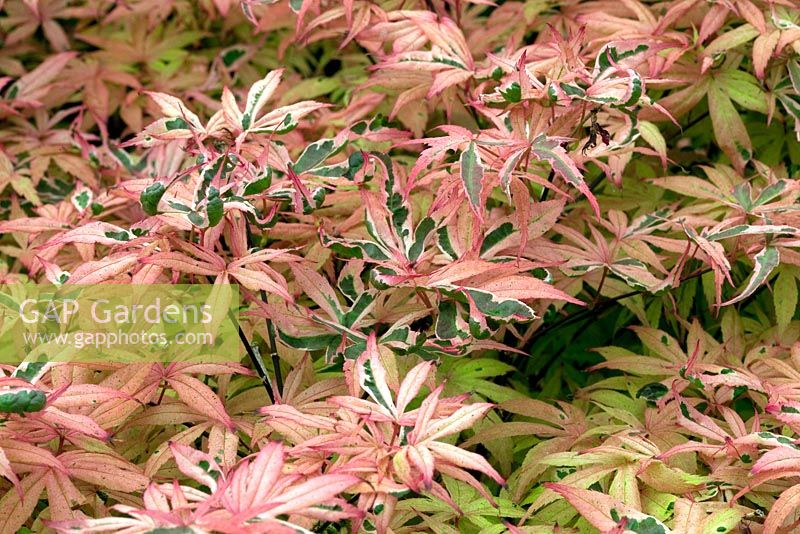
(513, 266)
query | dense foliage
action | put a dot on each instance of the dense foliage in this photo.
(514, 266)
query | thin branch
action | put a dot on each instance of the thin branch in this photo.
(588, 312)
(255, 359)
(546, 190)
(596, 182)
(273, 349)
(683, 129)
(600, 287)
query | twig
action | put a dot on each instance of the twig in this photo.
(597, 181)
(693, 122)
(546, 190)
(588, 312)
(273, 350)
(255, 358)
(600, 287)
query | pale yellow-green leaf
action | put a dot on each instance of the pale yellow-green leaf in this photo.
(721, 521)
(729, 129)
(661, 477)
(744, 89)
(625, 487)
(657, 503)
(652, 135)
(709, 289)
(615, 399)
(731, 39)
(785, 298)
(533, 8)
(23, 186)
(308, 89)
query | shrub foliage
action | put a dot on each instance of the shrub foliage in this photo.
(521, 266)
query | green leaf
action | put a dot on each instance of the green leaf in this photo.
(447, 326)
(729, 129)
(746, 229)
(82, 199)
(785, 297)
(310, 89)
(151, 196)
(354, 163)
(355, 248)
(472, 176)
(512, 93)
(30, 371)
(176, 123)
(374, 388)
(793, 66)
(744, 89)
(196, 218)
(743, 193)
(648, 525)
(257, 97)
(637, 90)
(215, 208)
(318, 197)
(651, 133)
(610, 55)
(122, 235)
(766, 261)
(232, 54)
(21, 400)
(314, 342)
(770, 192)
(314, 154)
(497, 236)
(481, 368)
(549, 150)
(259, 185)
(652, 391)
(500, 308)
(287, 125)
(444, 243)
(362, 303)
(421, 233)
(722, 521)
(731, 39)
(180, 208)
(219, 167)
(507, 170)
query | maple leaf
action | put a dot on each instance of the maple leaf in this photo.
(249, 270)
(253, 495)
(415, 454)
